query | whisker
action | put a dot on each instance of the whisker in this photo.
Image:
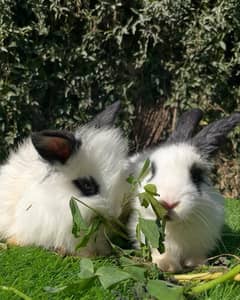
(201, 217)
(209, 190)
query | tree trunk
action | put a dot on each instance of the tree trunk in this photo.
(152, 124)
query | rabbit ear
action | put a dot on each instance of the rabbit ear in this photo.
(186, 125)
(213, 135)
(54, 145)
(106, 117)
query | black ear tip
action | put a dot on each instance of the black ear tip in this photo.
(213, 136)
(107, 116)
(198, 112)
(186, 125)
(194, 113)
(236, 116)
(115, 107)
(233, 120)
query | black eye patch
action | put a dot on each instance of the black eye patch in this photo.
(87, 185)
(197, 175)
(153, 170)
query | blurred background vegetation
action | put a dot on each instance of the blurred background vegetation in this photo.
(61, 61)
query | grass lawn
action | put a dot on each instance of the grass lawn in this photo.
(30, 270)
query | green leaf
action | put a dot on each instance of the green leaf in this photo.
(125, 261)
(161, 291)
(96, 222)
(144, 199)
(145, 170)
(86, 268)
(137, 273)
(151, 188)
(151, 231)
(222, 45)
(158, 209)
(78, 221)
(109, 276)
(80, 285)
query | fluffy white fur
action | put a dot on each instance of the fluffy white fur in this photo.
(196, 222)
(34, 195)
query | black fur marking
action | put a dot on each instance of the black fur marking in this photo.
(87, 185)
(197, 176)
(106, 117)
(211, 137)
(186, 126)
(153, 171)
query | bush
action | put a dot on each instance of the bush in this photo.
(61, 61)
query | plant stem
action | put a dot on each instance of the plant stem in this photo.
(110, 226)
(110, 222)
(208, 285)
(15, 291)
(94, 210)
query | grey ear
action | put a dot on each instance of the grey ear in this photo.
(213, 136)
(106, 117)
(55, 145)
(186, 126)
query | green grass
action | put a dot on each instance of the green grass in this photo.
(30, 270)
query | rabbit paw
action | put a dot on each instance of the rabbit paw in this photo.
(195, 261)
(165, 262)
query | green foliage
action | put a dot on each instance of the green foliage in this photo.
(35, 272)
(78, 222)
(61, 61)
(150, 230)
(85, 232)
(130, 267)
(160, 290)
(153, 230)
(14, 291)
(80, 228)
(109, 276)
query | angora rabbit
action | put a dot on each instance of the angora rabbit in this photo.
(195, 211)
(38, 180)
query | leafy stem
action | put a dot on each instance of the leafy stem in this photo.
(209, 285)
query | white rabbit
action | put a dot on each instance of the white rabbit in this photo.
(195, 211)
(39, 179)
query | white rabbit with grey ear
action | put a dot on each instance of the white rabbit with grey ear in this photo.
(195, 210)
(40, 177)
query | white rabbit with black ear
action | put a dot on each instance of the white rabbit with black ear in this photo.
(195, 210)
(40, 177)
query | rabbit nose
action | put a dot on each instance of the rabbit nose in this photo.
(168, 205)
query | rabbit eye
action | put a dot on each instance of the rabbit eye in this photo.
(87, 185)
(197, 175)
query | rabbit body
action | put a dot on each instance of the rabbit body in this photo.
(195, 224)
(35, 192)
(195, 210)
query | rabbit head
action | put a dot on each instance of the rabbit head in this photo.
(179, 169)
(50, 168)
(91, 159)
(181, 166)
